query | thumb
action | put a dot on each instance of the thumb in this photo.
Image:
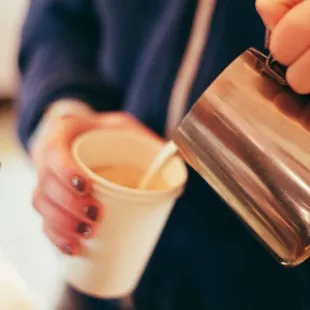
(272, 11)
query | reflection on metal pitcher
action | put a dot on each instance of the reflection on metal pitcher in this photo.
(247, 136)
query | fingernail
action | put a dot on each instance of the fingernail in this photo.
(92, 213)
(67, 250)
(79, 184)
(83, 229)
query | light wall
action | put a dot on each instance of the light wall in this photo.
(11, 17)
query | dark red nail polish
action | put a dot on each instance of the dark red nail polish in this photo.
(83, 229)
(79, 184)
(67, 250)
(92, 213)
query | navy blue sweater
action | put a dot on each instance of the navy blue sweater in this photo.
(124, 55)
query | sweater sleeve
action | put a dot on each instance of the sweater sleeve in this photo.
(58, 59)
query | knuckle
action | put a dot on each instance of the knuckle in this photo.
(46, 184)
(46, 228)
(36, 152)
(261, 6)
(40, 151)
(49, 151)
(41, 175)
(276, 50)
(36, 199)
(296, 84)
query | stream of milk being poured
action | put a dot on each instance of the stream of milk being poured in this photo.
(167, 152)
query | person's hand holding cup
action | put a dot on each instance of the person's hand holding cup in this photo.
(102, 219)
(63, 193)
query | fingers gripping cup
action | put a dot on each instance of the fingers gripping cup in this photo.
(111, 264)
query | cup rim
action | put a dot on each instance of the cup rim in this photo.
(113, 187)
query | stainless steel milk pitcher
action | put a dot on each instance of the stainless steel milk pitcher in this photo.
(248, 137)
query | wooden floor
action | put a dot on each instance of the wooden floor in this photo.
(21, 239)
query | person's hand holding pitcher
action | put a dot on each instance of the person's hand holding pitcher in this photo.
(289, 23)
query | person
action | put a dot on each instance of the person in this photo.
(140, 65)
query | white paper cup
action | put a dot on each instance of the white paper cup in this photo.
(111, 264)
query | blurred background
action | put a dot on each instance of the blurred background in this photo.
(11, 17)
(19, 225)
